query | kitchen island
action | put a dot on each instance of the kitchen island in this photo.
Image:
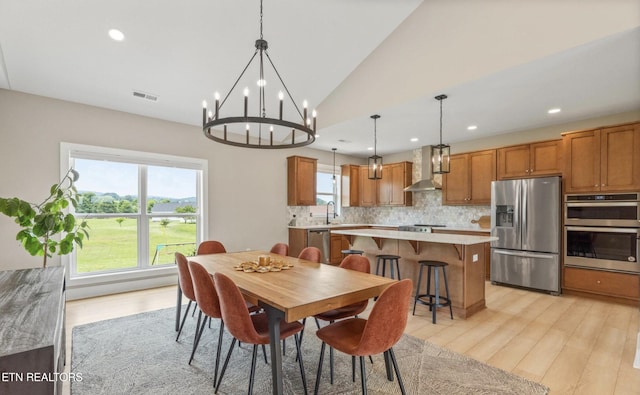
(463, 253)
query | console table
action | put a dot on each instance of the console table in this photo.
(32, 331)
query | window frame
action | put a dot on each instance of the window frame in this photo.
(70, 151)
(320, 210)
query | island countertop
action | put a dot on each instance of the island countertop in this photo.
(441, 238)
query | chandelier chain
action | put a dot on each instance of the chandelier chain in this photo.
(261, 13)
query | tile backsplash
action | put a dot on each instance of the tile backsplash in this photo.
(427, 209)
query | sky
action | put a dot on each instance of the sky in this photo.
(122, 178)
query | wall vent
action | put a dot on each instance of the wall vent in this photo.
(146, 96)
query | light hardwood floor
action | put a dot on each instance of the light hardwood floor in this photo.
(572, 344)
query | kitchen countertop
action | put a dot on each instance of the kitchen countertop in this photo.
(442, 238)
(339, 226)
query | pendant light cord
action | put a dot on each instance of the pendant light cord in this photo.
(440, 121)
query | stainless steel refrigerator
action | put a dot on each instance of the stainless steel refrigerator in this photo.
(525, 216)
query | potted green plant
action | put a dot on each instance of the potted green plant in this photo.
(40, 223)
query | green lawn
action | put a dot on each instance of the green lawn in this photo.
(113, 246)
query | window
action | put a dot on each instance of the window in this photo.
(326, 191)
(141, 208)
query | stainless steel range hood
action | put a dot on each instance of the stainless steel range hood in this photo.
(426, 182)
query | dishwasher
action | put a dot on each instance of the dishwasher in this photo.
(321, 239)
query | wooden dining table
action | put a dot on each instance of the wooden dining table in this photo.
(305, 289)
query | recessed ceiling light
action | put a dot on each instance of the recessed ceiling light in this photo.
(554, 111)
(116, 35)
(414, 139)
(472, 127)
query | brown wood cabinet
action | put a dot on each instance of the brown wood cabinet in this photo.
(350, 179)
(599, 282)
(301, 181)
(367, 189)
(395, 177)
(530, 160)
(605, 159)
(469, 181)
(297, 241)
(338, 243)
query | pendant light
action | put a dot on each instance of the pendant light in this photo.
(334, 165)
(259, 130)
(440, 153)
(375, 161)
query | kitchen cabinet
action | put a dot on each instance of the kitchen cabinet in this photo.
(620, 285)
(605, 159)
(486, 247)
(367, 188)
(530, 160)
(350, 180)
(338, 243)
(469, 181)
(297, 241)
(301, 181)
(395, 177)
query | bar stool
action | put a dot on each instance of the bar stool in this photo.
(434, 300)
(351, 252)
(393, 260)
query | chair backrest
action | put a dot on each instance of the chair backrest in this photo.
(356, 262)
(234, 310)
(211, 247)
(280, 249)
(311, 254)
(184, 276)
(387, 319)
(205, 291)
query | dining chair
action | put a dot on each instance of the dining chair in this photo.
(311, 254)
(280, 249)
(186, 286)
(351, 262)
(211, 247)
(377, 334)
(207, 298)
(249, 329)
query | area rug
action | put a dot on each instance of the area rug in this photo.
(139, 355)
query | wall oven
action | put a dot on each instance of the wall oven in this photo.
(602, 231)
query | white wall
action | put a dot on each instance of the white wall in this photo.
(247, 187)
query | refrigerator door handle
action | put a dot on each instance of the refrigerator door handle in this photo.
(524, 254)
(523, 196)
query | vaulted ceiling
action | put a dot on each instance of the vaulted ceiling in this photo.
(503, 64)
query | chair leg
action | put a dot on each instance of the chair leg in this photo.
(264, 353)
(397, 370)
(331, 365)
(446, 288)
(353, 368)
(184, 318)
(363, 375)
(218, 349)
(253, 368)
(199, 330)
(415, 299)
(315, 391)
(224, 366)
(299, 354)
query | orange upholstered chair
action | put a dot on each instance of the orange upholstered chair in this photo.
(311, 254)
(375, 335)
(186, 286)
(351, 262)
(249, 329)
(209, 303)
(211, 247)
(280, 249)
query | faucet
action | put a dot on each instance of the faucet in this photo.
(334, 210)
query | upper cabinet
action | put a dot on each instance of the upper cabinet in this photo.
(301, 181)
(469, 181)
(395, 178)
(530, 160)
(350, 188)
(606, 159)
(367, 188)
(359, 191)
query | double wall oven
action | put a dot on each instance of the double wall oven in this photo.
(602, 231)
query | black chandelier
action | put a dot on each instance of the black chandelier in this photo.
(375, 161)
(440, 154)
(267, 132)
